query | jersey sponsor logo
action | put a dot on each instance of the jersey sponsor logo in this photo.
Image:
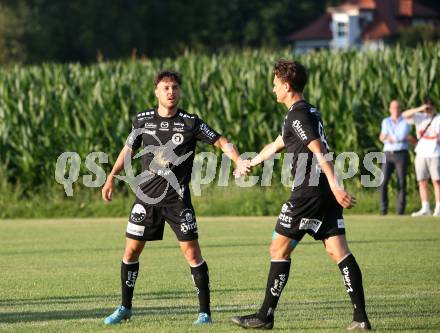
(278, 285)
(183, 115)
(347, 280)
(286, 207)
(177, 138)
(131, 278)
(134, 229)
(178, 129)
(285, 220)
(187, 215)
(207, 131)
(341, 224)
(297, 126)
(188, 226)
(310, 224)
(188, 222)
(138, 213)
(176, 123)
(150, 132)
(150, 125)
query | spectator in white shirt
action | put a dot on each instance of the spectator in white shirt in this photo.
(427, 161)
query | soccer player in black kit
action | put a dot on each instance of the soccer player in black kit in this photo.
(168, 136)
(315, 205)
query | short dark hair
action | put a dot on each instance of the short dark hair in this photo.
(291, 72)
(168, 74)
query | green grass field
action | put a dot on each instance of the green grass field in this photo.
(63, 276)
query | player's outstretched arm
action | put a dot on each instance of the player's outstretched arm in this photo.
(107, 189)
(229, 149)
(268, 151)
(344, 198)
(408, 114)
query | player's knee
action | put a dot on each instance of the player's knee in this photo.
(131, 254)
(277, 253)
(332, 254)
(337, 254)
(192, 255)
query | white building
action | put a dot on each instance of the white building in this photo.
(362, 23)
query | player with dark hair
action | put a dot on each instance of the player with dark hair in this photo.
(168, 136)
(316, 202)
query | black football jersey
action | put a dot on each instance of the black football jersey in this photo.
(302, 125)
(168, 152)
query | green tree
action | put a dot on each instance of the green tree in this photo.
(12, 29)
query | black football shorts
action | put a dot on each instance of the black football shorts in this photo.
(320, 217)
(146, 222)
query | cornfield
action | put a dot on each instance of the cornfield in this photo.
(49, 109)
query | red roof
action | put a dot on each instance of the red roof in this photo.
(366, 4)
(377, 30)
(389, 16)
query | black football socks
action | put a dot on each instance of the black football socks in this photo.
(129, 274)
(277, 279)
(353, 283)
(200, 276)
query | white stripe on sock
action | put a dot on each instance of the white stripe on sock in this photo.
(198, 265)
(130, 263)
(345, 257)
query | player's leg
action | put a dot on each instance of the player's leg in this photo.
(182, 220)
(337, 248)
(387, 170)
(130, 269)
(145, 224)
(200, 276)
(129, 274)
(288, 233)
(280, 251)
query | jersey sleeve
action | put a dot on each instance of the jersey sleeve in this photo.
(134, 139)
(304, 125)
(204, 133)
(281, 132)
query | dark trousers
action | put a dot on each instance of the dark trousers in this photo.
(397, 160)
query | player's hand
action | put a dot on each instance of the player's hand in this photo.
(345, 199)
(242, 169)
(107, 189)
